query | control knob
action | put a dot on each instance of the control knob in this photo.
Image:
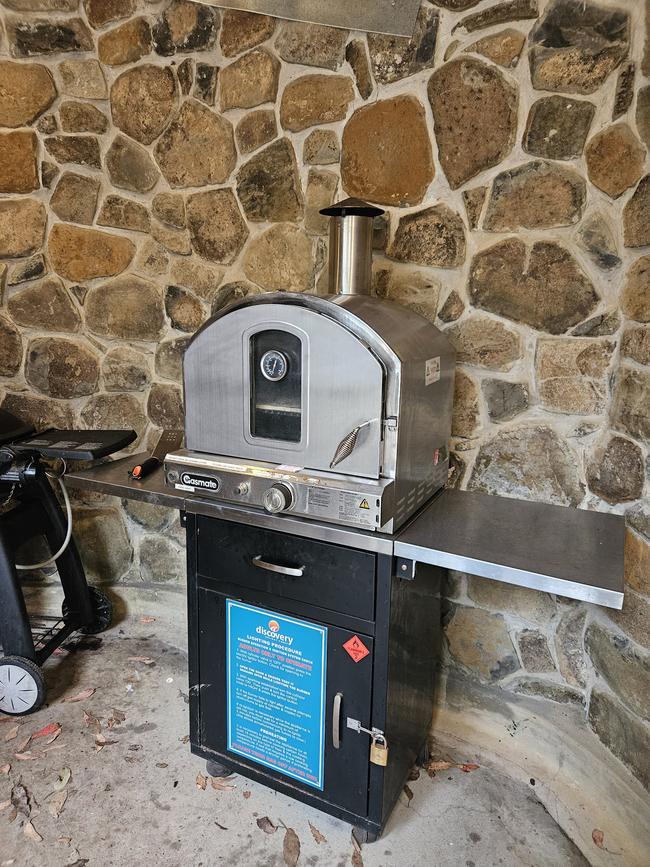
(279, 498)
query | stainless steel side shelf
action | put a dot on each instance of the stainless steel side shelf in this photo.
(571, 552)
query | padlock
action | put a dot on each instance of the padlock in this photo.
(379, 751)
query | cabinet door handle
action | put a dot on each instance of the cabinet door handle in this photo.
(294, 571)
(336, 720)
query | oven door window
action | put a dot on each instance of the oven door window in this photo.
(276, 386)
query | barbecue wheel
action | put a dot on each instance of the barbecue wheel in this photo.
(102, 610)
(22, 688)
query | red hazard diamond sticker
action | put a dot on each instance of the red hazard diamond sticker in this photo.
(356, 648)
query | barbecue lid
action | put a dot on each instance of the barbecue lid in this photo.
(352, 208)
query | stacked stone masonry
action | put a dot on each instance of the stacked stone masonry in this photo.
(159, 160)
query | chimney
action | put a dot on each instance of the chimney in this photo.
(350, 253)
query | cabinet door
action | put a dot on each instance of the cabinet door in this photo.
(270, 687)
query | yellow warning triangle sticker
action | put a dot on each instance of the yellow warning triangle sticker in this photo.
(364, 504)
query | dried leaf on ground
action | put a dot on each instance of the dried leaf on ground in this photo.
(63, 780)
(162, 765)
(47, 731)
(81, 696)
(20, 798)
(55, 803)
(291, 848)
(54, 747)
(4, 769)
(357, 860)
(22, 746)
(147, 620)
(468, 766)
(116, 718)
(65, 841)
(11, 734)
(266, 825)
(31, 833)
(201, 781)
(433, 766)
(408, 791)
(102, 741)
(598, 837)
(247, 794)
(316, 834)
(222, 784)
(92, 722)
(145, 660)
(25, 757)
(185, 739)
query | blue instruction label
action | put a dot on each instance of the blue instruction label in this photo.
(276, 690)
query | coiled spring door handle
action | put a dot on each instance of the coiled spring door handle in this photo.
(336, 720)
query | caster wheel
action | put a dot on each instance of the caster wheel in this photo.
(363, 835)
(102, 610)
(216, 769)
(22, 688)
(424, 755)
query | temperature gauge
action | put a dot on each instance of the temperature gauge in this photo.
(274, 365)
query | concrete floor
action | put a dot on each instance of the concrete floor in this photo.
(136, 800)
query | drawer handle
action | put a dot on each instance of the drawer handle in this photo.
(294, 571)
(336, 720)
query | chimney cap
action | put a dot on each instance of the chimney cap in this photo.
(351, 208)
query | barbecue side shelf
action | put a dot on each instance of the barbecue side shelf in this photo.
(554, 549)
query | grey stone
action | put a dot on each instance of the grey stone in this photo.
(169, 358)
(217, 228)
(185, 311)
(48, 36)
(83, 78)
(434, 237)
(231, 292)
(49, 171)
(542, 287)
(530, 463)
(255, 129)
(28, 269)
(103, 543)
(165, 406)
(549, 691)
(129, 166)
(121, 213)
(630, 403)
(485, 342)
(625, 91)
(241, 31)
(356, 55)
(320, 193)
(643, 114)
(60, 367)
(599, 326)
(453, 308)
(268, 185)
(474, 201)
(185, 75)
(557, 127)
(205, 84)
(170, 208)
(321, 148)
(596, 238)
(11, 348)
(615, 159)
(314, 99)
(44, 305)
(75, 198)
(527, 604)
(113, 412)
(480, 642)
(185, 27)
(534, 652)
(569, 646)
(154, 518)
(536, 195)
(636, 344)
(82, 117)
(142, 101)
(127, 307)
(152, 259)
(80, 149)
(311, 44)
(125, 369)
(381, 232)
(571, 374)
(192, 273)
(511, 10)
(625, 735)
(281, 258)
(161, 561)
(575, 45)
(396, 57)
(616, 471)
(250, 80)
(625, 670)
(173, 240)
(504, 400)
(415, 289)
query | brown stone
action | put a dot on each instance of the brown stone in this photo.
(101, 12)
(80, 149)
(169, 358)
(170, 208)
(643, 114)
(126, 43)
(268, 185)
(541, 286)
(113, 412)
(152, 259)
(184, 310)
(241, 31)
(413, 289)
(503, 48)
(636, 216)
(636, 344)
(548, 691)
(47, 36)
(22, 227)
(60, 367)
(125, 369)
(194, 274)
(569, 646)
(128, 307)
(466, 419)
(47, 124)
(615, 159)
(574, 46)
(104, 545)
(396, 57)
(596, 238)
(480, 642)
(630, 403)
(475, 117)
(536, 195)
(185, 75)
(120, 213)
(281, 258)
(311, 44)
(25, 270)
(321, 148)
(637, 562)
(44, 305)
(634, 619)
(165, 407)
(386, 155)
(571, 374)
(557, 127)
(18, 165)
(357, 56)
(625, 92)
(83, 78)
(173, 240)
(314, 99)
(255, 129)
(151, 517)
(474, 201)
(452, 309)
(615, 472)
(11, 348)
(622, 733)
(129, 166)
(635, 298)
(75, 198)
(530, 605)
(530, 463)
(41, 412)
(197, 148)
(602, 325)
(49, 173)
(624, 669)
(510, 10)
(217, 228)
(485, 342)
(26, 91)
(82, 117)
(41, 5)
(320, 193)
(231, 292)
(504, 400)
(205, 84)
(534, 652)
(185, 26)
(142, 101)
(82, 254)
(250, 81)
(434, 237)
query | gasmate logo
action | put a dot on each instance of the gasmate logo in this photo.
(274, 626)
(207, 483)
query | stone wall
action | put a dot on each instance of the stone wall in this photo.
(158, 160)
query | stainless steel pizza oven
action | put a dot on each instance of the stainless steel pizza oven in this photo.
(336, 408)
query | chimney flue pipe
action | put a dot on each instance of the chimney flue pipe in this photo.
(350, 249)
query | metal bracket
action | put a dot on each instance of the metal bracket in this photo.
(356, 726)
(405, 568)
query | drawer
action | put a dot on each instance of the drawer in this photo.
(317, 573)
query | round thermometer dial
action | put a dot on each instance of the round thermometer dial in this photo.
(274, 365)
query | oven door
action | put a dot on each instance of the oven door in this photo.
(272, 696)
